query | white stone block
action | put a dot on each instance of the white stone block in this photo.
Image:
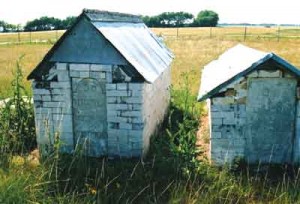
(136, 93)
(217, 121)
(108, 77)
(40, 91)
(46, 98)
(61, 66)
(137, 126)
(102, 75)
(126, 126)
(111, 86)
(79, 67)
(56, 110)
(263, 73)
(117, 132)
(37, 97)
(220, 108)
(117, 93)
(131, 113)
(43, 110)
(53, 104)
(117, 119)
(113, 113)
(118, 107)
(135, 100)
(74, 73)
(67, 109)
(59, 91)
(136, 86)
(111, 100)
(63, 76)
(95, 75)
(60, 85)
(227, 121)
(136, 135)
(101, 67)
(122, 86)
(137, 119)
(137, 107)
(224, 100)
(84, 74)
(59, 97)
(216, 135)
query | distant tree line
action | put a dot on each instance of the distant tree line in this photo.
(40, 24)
(6, 27)
(204, 18)
(49, 23)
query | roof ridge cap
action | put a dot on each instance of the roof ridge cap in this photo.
(111, 16)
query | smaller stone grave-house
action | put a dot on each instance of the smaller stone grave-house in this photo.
(254, 107)
(103, 87)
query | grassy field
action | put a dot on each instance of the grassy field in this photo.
(170, 173)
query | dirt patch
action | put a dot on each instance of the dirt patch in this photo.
(203, 139)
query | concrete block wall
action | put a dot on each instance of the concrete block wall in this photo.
(125, 119)
(227, 131)
(156, 99)
(53, 110)
(227, 115)
(133, 109)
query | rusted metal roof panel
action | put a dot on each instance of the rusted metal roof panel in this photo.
(233, 64)
(140, 47)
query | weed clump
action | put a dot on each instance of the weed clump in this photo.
(17, 131)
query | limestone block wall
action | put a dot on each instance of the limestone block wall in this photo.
(227, 113)
(125, 121)
(156, 99)
(133, 109)
(53, 109)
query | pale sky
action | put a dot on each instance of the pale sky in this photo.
(230, 11)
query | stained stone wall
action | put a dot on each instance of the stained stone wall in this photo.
(232, 130)
(85, 108)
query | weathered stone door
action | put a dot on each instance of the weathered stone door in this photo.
(270, 119)
(89, 108)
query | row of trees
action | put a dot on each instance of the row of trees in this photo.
(6, 27)
(204, 18)
(40, 24)
(49, 23)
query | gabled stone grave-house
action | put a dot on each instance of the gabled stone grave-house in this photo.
(103, 87)
(254, 107)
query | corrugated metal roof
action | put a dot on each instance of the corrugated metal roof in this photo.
(129, 35)
(233, 64)
(139, 46)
